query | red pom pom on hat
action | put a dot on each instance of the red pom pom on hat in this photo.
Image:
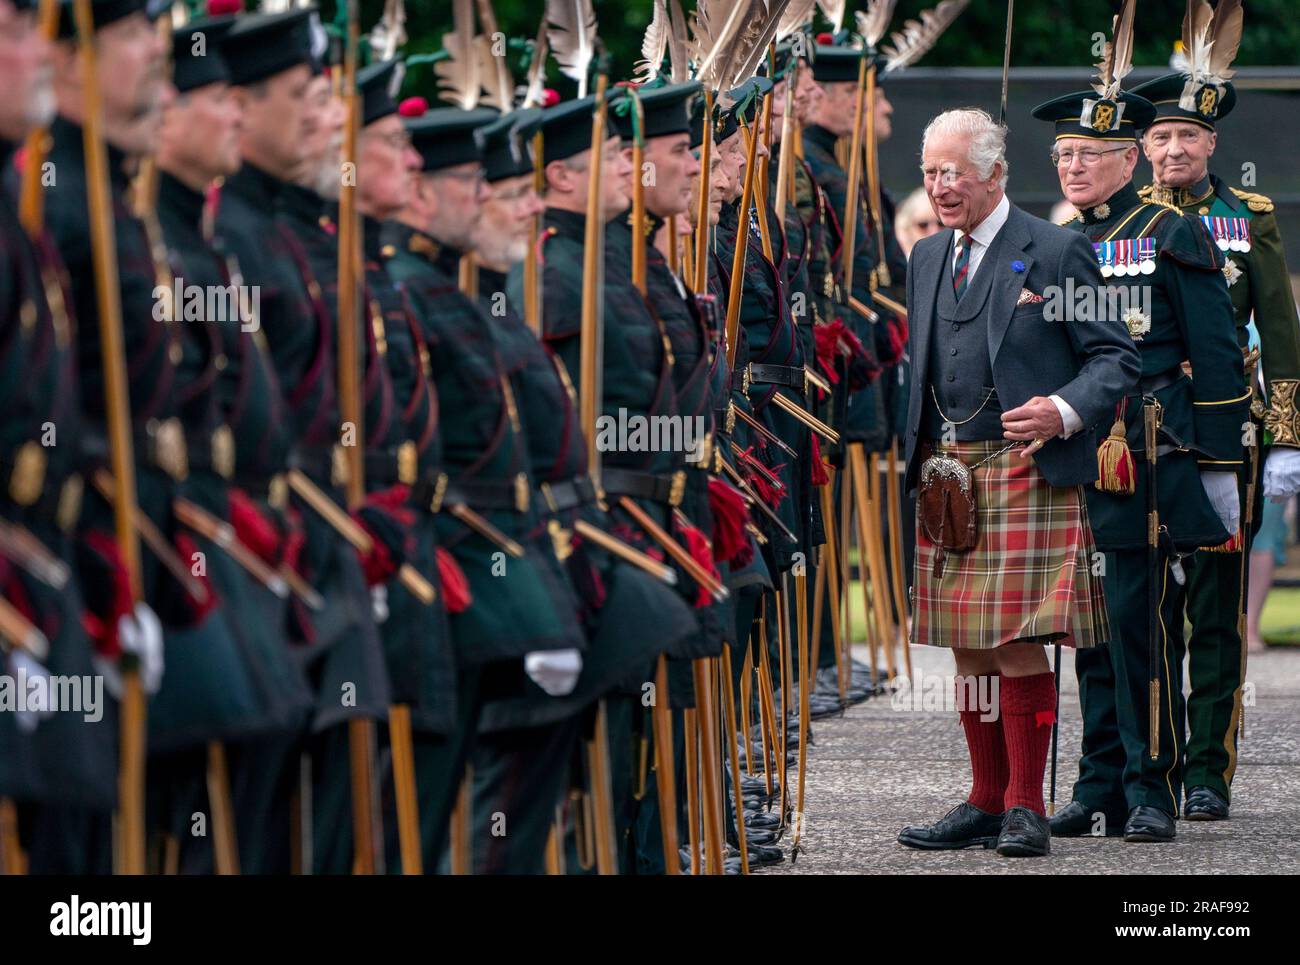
(550, 97)
(825, 38)
(413, 107)
(219, 8)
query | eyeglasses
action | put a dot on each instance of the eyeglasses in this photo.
(949, 175)
(397, 140)
(477, 176)
(1089, 156)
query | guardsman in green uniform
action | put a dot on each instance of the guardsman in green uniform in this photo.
(272, 60)
(520, 636)
(836, 71)
(131, 76)
(1179, 143)
(231, 407)
(402, 436)
(1176, 307)
(60, 771)
(637, 383)
(528, 742)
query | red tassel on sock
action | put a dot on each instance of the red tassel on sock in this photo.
(456, 596)
(730, 541)
(1026, 703)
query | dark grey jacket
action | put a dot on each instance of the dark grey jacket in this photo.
(1090, 364)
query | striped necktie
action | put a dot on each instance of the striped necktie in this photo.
(961, 267)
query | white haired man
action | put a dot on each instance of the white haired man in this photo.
(998, 399)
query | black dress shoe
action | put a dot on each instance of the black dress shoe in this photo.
(1076, 821)
(965, 826)
(1205, 804)
(1149, 824)
(762, 821)
(761, 854)
(756, 836)
(1024, 835)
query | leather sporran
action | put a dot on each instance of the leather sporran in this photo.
(947, 507)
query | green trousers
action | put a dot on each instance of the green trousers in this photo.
(1116, 771)
(1217, 669)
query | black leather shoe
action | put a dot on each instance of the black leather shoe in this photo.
(1205, 804)
(762, 820)
(761, 854)
(1149, 824)
(1076, 821)
(965, 826)
(757, 836)
(1024, 835)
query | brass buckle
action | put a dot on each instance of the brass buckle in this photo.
(678, 488)
(547, 495)
(730, 419)
(169, 452)
(744, 380)
(27, 480)
(277, 492)
(522, 492)
(408, 463)
(223, 451)
(439, 491)
(339, 470)
(69, 509)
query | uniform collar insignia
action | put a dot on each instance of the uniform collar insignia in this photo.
(1183, 197)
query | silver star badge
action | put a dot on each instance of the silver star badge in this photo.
(1101, 212)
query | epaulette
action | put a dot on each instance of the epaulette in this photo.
(1144, 192)
(1256, 202)
(1074, 217)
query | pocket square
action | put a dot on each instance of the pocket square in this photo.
(1027, 298)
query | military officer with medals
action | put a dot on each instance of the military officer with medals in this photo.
(1176, 307)
(1179, 143)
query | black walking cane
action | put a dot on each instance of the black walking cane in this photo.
(1151, 426)
(1056, 727)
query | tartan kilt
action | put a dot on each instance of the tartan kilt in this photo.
(1029, 577)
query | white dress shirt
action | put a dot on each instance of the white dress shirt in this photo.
(980, 240)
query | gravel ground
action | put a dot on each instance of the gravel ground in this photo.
(877, 768)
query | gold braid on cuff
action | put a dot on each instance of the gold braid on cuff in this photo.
(1281, 419)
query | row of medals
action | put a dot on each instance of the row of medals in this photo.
(1230, 234)
(1135, 256)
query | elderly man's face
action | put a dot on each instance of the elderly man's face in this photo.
(884, 114)
(808, 96)
(386, 168)
(719, 187)
(731, 157)
(276, 116)
(200, 132)
(1091, 171)
(133, 84)
(25, 74)
(456, 197)
(1179, 152)
(674, 168)
(501, 239)
(959, 198)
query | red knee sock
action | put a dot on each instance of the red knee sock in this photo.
(1028, 712)
(988, 757)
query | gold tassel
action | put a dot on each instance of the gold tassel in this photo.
(1117, 473)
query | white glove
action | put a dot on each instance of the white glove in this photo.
(1221, 488)
(140, 633)
(555, 671)
(379, 602)
(1282, 474)
(22, 669)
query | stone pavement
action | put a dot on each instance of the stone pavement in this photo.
(876, 769)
